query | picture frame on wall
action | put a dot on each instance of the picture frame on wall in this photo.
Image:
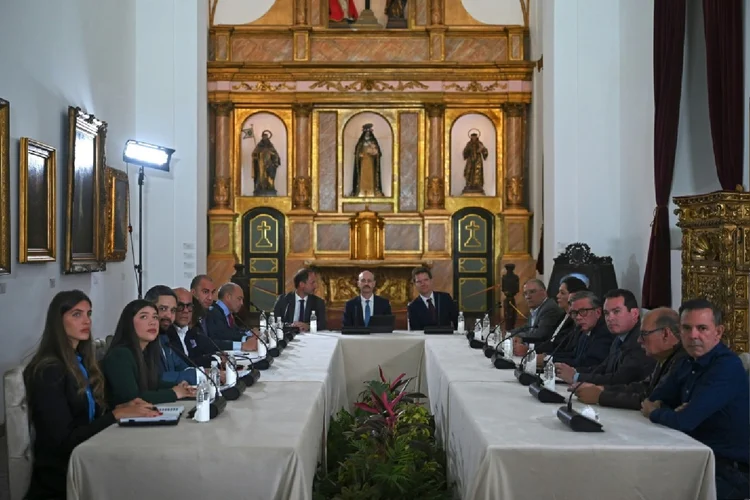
(83, 241)
(116, 214)
(37, 202)
(4, 187)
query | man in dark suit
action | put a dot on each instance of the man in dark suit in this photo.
(626, 361)
(220, 321)
(660, 339)
(545, 315)
(594, 339)
(295, 308)
(185, 340)
(430, 308)
(359, 310)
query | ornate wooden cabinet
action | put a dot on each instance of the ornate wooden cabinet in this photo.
(716, 256)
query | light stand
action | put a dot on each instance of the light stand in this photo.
(139, 266)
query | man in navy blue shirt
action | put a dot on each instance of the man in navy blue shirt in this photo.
(707, 397)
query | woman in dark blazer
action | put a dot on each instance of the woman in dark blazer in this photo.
(131, 365)
(65, 391)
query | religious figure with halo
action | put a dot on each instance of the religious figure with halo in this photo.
(366, 171)
(266, 162)
(474, 153)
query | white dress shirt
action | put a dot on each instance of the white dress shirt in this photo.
(364, 301)
(181, 332)
(297, 298)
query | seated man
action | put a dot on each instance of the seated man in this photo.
(296, 308)
(359, 310)
(706, 397)
(626, 361)
(660, 338)
(172, 369)
(430, 308)
(185, 340)
(220, 321)
(564, 336)
(545, 315)
(594, 339)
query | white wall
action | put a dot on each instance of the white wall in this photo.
(75, 59)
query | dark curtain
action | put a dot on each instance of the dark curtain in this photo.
(669, 44)
(722, 24)
(540, 255)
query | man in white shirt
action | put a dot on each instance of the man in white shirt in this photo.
(359, 310)
(430, 308)
(187, 339)
(295, 308)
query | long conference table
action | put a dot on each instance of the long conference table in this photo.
(501, 443)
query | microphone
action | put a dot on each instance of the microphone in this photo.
(499, 361)
(480, 344)
(289, 331)
(574, 419)
(216, 407)
(254, 373)
(537, 388)
(267, 359)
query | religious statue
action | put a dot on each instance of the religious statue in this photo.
(474, 153)
(396, 12)
(366, 172)
(511, 285)
(340, 11)
(266, 162)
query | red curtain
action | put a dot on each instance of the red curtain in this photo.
(669, 44)
(722, 23)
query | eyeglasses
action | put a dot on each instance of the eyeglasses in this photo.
(581, 312)
(181, 306)
(646, 333)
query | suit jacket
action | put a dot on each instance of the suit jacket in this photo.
(590, 349)
(200, 350)
(284, 308)
(445, 308)
(121, 372)
(60, 415)
(563, 341)
(545, 322)
(630, 396)
(623, 365)
(217, 327)
(173, 368)
(355, 316)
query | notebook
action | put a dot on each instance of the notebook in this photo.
(170, 416)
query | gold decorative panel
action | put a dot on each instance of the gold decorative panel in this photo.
(472, 234)
(301, 237)
(332, 238)
(472, 265)
(263, 265)
(715, 257)
(264, 237)
(401, 237)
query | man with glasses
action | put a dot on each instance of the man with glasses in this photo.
(187, 340)
(594, 340)
(660, 339)
(544, 313)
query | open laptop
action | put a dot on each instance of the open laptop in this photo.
(382, 323)
(170, 416)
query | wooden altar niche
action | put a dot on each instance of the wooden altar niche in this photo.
(716, 257)
(311, 88)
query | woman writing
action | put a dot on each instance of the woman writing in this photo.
(65, 391)
(131, 365)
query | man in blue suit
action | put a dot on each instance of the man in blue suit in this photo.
(430, 308)
(359, 310)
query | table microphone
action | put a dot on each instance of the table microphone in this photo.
(480, 344)
(500, 362)
(537, 388)
(248, 379)
(275, 350)
(574, 419)
(218, 404)
(289, 331)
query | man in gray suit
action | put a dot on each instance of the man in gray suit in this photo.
(545, 313)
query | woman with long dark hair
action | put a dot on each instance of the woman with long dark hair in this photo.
(131, 365)
(65, 391)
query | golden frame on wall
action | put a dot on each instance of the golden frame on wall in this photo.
(4, 187)
(116, 214)
(87, 136)
(37, 222)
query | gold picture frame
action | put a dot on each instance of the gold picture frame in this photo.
(116, 214)
(4, 187)
(83, 243)
(37, 221)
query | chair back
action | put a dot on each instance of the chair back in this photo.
(18, 433)
(745, 358)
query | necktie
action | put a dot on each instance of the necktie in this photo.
(367, 313)
(431, 307)
(230, 320)
(301, 315)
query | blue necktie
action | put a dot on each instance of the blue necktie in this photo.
(367, 313)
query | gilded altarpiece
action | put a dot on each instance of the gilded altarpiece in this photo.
(376, 139)
(716, 257)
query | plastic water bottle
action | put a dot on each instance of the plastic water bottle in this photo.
(486, 327)
(549, 375)
(478, 329)
(271, 320)
(461, 327)
(508, 347)
(203, 402)
(230, 374)
(313, 322)
(214, 374)
(531, 360)
(263, 322)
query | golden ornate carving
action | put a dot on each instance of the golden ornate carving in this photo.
(302, 189)
(367, 241)
(368, 86)
(434, 110)
(436, 12)
(435, 193)
(223, 108)
(476, 87)
(221, 192)
(264, 86)
(514, 191)
(514, 109)
(302, 109)
(301, 11)
(715, 260)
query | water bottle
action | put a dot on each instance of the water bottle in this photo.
(478, 329)
(203, 402)
(508, 347)
(263, 322)
(230, 374)
(531, 360)
(214, 374)
(549, 375)
(271, 320)
(486, 327)
(313, 322)
(461, 327)
(271, 338)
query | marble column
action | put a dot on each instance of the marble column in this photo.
(222, 174)
(515, 147)
(435, 188)
(302, 186)
(301, 12)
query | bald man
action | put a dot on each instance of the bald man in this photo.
(660, 339)
(359, 310)
(221, 325)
